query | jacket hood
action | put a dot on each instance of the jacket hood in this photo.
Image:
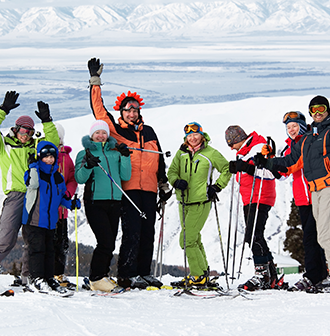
(65, 149)
(43, 144)
(88, 143)
(48, 169)
(252, 140)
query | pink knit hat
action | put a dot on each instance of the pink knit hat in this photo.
(25, 121)
(99, 125)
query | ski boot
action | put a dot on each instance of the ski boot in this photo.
(303, 285)
(261, 279)
(56, 287)
(86, 284)
(193, 281)
(20, 281)
(64, 282)
(152, 281)
(133, 282)
(105, 284)
(324, 285)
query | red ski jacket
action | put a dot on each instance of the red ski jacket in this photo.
(249, 149)
(301, 193)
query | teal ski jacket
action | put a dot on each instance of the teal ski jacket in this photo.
(98, 185)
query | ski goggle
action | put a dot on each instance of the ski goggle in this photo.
(131, 104)
(318, 109)
(193, 128)
(293, 115)
(25, 131)
(46, 151)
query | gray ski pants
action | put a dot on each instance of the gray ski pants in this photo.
(10, 224)
(321, 212)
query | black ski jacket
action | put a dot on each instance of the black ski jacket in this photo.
(312, 153)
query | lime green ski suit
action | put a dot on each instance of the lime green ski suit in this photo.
(197, 170)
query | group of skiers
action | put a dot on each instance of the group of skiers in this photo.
(123, 170)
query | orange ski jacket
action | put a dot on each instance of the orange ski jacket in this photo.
(147, 168)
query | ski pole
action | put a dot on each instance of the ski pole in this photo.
(160, 245)
(269, 140)
(38, 135)
(230, 218)
(184, 240)
(221, 244)
(236, 229)
(256, 214)
(142, 214)
(248, 216)
(167, 154)
(76, 231)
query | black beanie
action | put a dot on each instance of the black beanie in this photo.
(319, 100)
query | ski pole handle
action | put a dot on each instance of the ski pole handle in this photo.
(167, 154)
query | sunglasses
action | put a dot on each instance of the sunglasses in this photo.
(318, 108)
(25, 131)
(131, 104)
(192, 128)
(48, 151)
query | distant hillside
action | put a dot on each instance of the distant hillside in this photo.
(14, 261)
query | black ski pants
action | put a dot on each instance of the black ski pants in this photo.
(103, 218)
(315, 263)
(260, 250)
(41, 251)
(61, 245)
(137, 243)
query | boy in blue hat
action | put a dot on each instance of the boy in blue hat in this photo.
(45, 193)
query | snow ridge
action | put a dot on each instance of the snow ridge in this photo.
(183, 19)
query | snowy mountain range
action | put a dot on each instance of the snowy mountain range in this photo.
(177, 19)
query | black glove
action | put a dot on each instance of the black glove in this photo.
(280, 168)
(9, 102)
(94, 67)
(245, 167)
(123, 150)
(32, 158)
(276, 174)
(232, 167)
(91, 160)
(44, 113)
(260, 161)
(180, 184)
(163, 195)
(212, 192)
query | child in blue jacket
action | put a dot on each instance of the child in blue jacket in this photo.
(45, 193)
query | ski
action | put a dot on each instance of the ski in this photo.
(189, 292)
(114, 293)
(50, 293)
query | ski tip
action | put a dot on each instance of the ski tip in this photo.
(152, 288)
(166, 287)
